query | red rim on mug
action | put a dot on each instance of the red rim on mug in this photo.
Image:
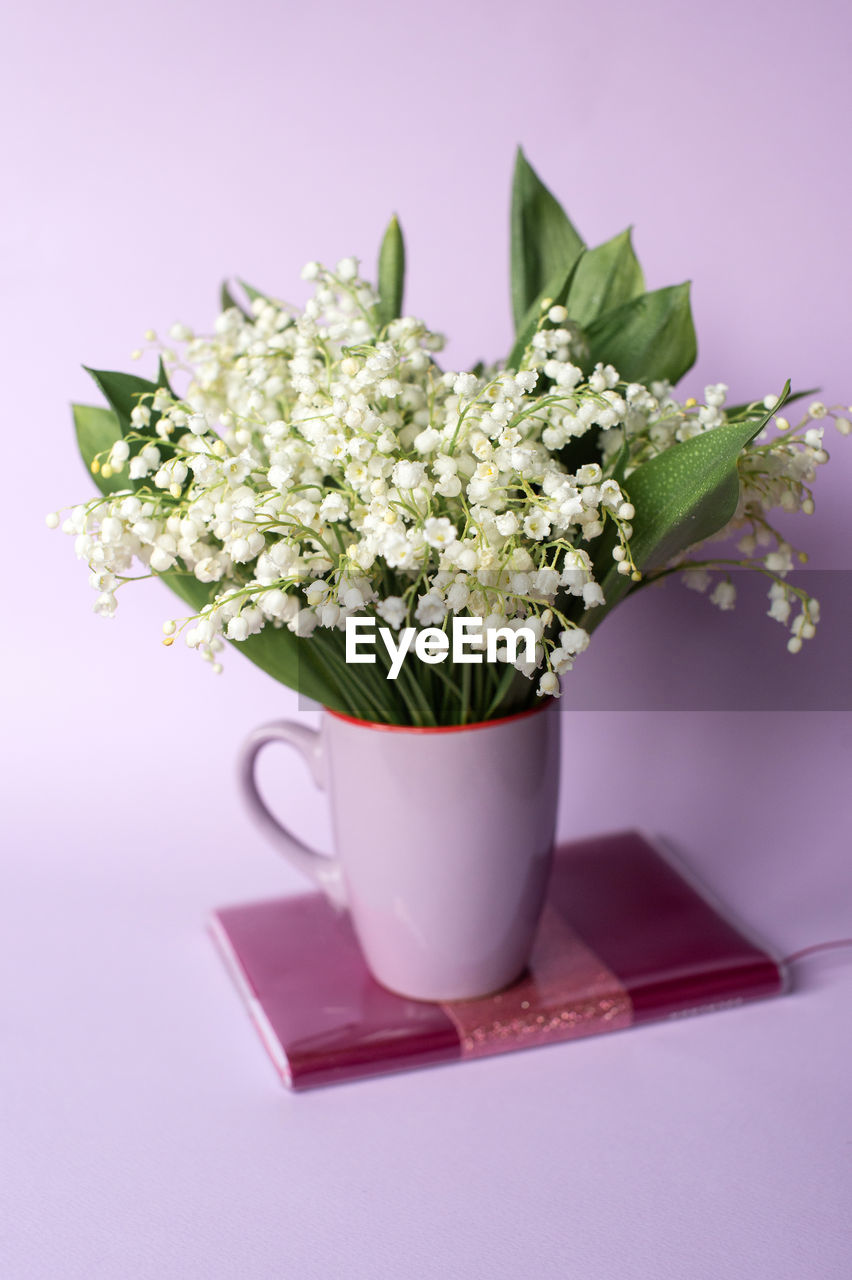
(440, 728)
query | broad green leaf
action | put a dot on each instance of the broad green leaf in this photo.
(391, 273)
(556, 289)
(122, 390)
(97, 431)
(648, 339)
(194, 593)
(608, 276)
(544, 243)
(682, 497)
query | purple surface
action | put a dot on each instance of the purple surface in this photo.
(147, 151)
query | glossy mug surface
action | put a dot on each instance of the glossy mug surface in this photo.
(443, 842)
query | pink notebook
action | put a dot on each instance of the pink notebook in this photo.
(626, 937)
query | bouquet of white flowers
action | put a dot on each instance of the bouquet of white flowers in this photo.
(311, 481)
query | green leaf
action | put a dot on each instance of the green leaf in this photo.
(608, 276)
(184, 584)
(556, 289)
(253, 294)
(544, 243)
(162, 376)
(227, 300)
(122, 390)
(296, 662)
(683, 496)
(97, 430)
(391, 274)
(648, 339)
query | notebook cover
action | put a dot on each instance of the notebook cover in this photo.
(626, 937)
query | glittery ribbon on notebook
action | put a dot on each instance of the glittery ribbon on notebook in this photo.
(568, 992)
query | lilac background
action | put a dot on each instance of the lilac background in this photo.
(149, 150)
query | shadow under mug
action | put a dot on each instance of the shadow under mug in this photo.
(443, 841)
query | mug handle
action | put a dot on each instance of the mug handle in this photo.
(325, 871)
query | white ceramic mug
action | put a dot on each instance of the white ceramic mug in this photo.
(444, 841)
